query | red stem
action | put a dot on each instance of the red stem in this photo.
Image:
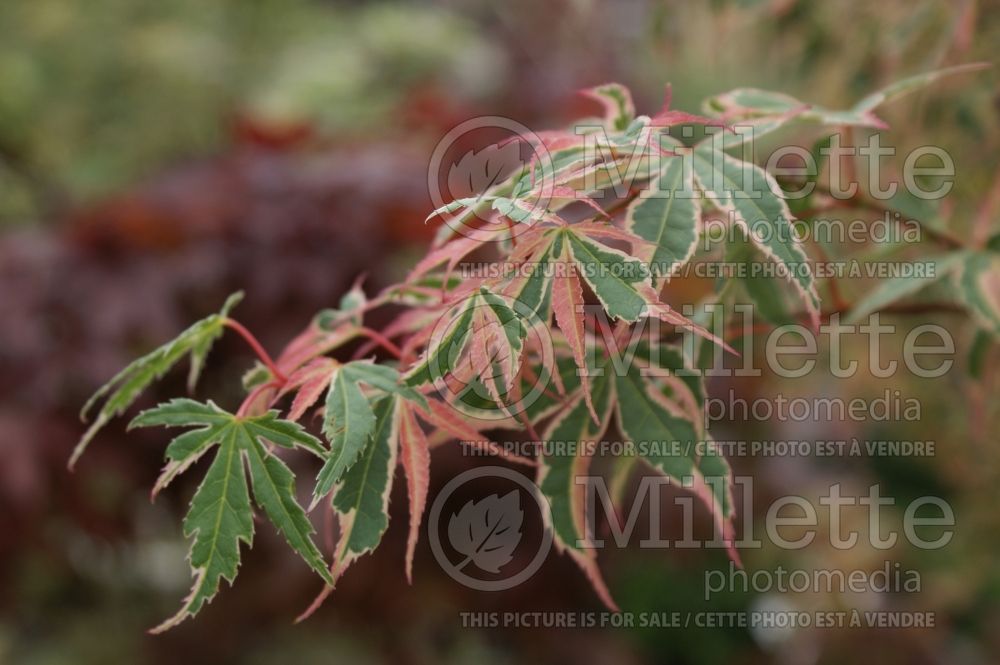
(382, 340)
(257, 348)
(510, 229)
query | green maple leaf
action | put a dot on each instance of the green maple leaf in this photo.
(889, 291)
(752, 196)
(669, 216)
(349, 422)
(220, 516)
(647, 413)
(361, 495)
(361, 499)
(126, 386)
(560, 471)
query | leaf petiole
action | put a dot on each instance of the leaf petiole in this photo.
(262, 354)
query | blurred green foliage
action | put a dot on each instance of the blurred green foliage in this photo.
(94, 95)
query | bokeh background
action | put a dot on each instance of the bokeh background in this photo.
(156, 156)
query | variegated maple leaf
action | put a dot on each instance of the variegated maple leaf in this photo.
(349, 422)
(125, 387)
(485, 333)
(220, 517)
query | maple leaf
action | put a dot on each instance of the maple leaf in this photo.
(621, 282)
(747, 103)
(644, 412)
(668, 219)
(752, 196)
(361, 497)
(329, 330)
(567, 305)
(483, 330)
(525, 212)
(558, 474)
(619, 109)
(531, 289)
(349, 422)
(220, 516)
(449, 254)
(416, 458)
(615, 277)
(495, 344)
(764, 291)
(126, 386)
(308, 382)
(891, 290)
